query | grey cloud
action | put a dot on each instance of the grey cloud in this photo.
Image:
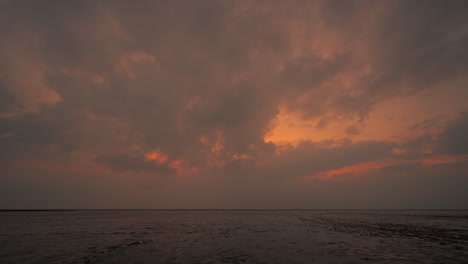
(402, 167)
(412, 46)
(454, 140)
(310, 158)
(134, 163)
(7, 100)
(32, 134)
(423, 188)
(352, 130)
(427, 123)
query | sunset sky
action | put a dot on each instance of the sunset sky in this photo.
(234, 104)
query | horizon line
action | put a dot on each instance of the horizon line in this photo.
(217, 209)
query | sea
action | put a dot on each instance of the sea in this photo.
(233, 236)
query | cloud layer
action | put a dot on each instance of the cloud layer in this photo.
(233, 104)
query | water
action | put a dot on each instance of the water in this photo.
(234, 237)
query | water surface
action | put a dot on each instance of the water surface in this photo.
(227, 236)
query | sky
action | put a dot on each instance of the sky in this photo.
(234, 104)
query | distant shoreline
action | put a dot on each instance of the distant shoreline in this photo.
(37, 210)
(232, 210)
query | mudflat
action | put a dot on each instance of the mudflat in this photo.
(155, 236)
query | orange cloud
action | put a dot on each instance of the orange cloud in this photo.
(156, 156)
(354, 169)
(368, 166)
(219, 143)
(182, 168)
(213, 157)
(287, 127)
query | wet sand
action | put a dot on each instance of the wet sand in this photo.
(234, 237)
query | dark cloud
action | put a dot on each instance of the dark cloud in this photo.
(7, 100)
(453, 140)
(413, 46)
(427, 124)
(134, 163)
(352, 130)
(402, 167)
(308, 159)
(32, 134)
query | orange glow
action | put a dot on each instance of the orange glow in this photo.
(156, 156)
(289, 128)
(176, 165)
(396, 119)
(368, 166)
(355, 169)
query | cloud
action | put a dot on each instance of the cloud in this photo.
(402, 167)
(135, 163)
(308, 159)
(453, 139)
(204, 84)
